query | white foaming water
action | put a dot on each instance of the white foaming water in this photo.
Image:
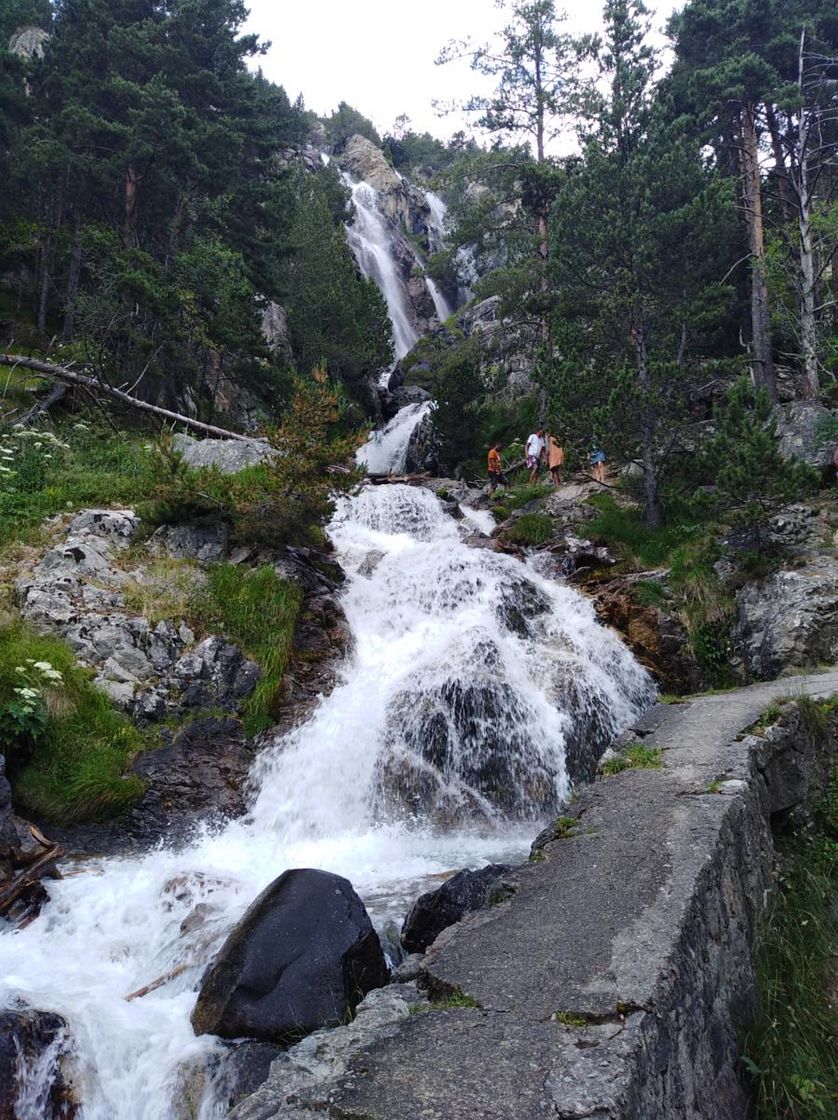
(436, 242)
(442, 746)
(370, 242)
(385, 452)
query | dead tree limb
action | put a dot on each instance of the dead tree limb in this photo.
(28, 877)
(56, 393)
(96, 385)
(159, 982)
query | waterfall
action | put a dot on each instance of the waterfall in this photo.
(371, 244)
(436, 241)
(385, 452)
(443, 745)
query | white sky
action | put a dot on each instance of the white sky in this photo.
(379, 54)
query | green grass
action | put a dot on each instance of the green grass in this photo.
(76, 770)
(623, 528)
(449, 1003)
(564, 827)
(568, 1019)
(637, 756)
(530, 529)
(649, 593)
(98, 467)
(789, 1052)
(505, 502)
(258, 611)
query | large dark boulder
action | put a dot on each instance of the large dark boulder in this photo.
(32, 1045)
(303, 957)
(435, 911)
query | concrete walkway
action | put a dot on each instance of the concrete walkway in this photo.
(615, 983)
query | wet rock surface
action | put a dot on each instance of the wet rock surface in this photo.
(635, 1016)
(655, 635)
(302, 957)
(32, 1081)
(436, 910)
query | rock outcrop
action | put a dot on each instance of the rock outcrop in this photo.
(655, 635)
(78, 592)
(399, 201)
(302, 957)
(227, 455)
(790, 619)
(807, 431)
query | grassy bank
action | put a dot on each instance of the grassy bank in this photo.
(790, 1053)
(67, 759)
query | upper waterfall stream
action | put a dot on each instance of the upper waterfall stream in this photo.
(442, 746)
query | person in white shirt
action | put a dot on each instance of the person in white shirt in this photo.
(534, 451)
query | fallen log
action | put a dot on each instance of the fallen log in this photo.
(392, 479)
(172, 974)
(29, 877)
(94, 384)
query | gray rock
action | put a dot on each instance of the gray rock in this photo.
(803, 428)
(228, 455)
(302, 957)
(790, 619)
(205, 543)
(215, 674)
(29, 42)
(275, 329)
(116, 526)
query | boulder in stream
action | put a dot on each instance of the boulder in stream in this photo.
(436, 910)
(302, 957)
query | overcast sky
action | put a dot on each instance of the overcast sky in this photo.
(379, 55)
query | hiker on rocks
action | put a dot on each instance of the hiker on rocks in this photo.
(496, 475)
(555, 458)
(534, 452)
(597, 462)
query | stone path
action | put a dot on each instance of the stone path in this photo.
(616, 981)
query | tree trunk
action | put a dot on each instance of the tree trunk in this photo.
(808, 264)
(761, 357)
(785, 187)
(72, 290)
(47, 260)
(652, 513)
(129, 226)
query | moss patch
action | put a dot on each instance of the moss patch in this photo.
(637, 756)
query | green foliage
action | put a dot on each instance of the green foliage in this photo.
(345, 122)
(636, 756)
(530, 529)
(753, 480)
(563, 827)
(69, 763)
(258, 611)
(336, 318)
(76, 465)
(789, 1052)
(570, 1019)
(623, 527)
(285, 500)
(452, 1002)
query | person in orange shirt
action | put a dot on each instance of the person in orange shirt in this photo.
(496, 475)
(555, 458)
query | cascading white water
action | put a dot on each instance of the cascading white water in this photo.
(436, 242)
(385, 452)
(371, 246)
(443, 746)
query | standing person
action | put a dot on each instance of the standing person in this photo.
(496, 475)
(555, 458)
(534, 451)
(597, 462)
